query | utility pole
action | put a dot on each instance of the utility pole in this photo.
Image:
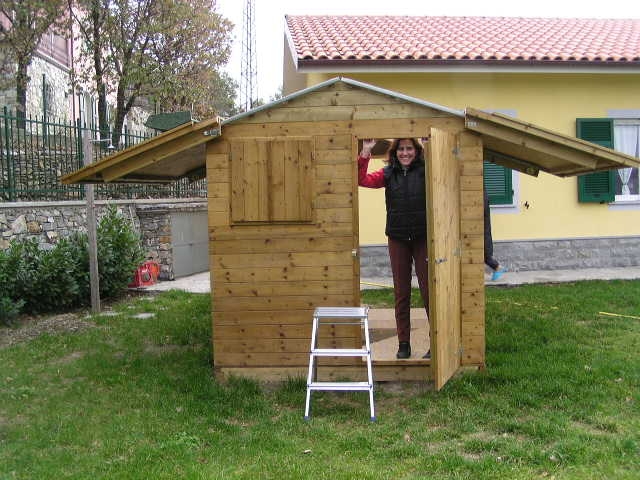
(94, 277)
(249, 71)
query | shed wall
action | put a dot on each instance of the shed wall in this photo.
(268, 277)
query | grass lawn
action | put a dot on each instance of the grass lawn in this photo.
(132, 396)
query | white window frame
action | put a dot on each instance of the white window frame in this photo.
(635, 198)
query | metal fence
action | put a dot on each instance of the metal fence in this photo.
(36, 152)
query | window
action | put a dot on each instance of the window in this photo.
(498, 180)
(271, 180)
(626, 139)
(620, 185)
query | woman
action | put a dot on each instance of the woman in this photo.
(406, 227)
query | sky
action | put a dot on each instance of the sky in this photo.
(269, 21)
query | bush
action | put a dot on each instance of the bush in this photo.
(119, 252)
(58, 279)
(9, 310)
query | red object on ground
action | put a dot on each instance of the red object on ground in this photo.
(145, 275)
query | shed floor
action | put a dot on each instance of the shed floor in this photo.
(384, 342)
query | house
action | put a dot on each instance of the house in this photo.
(578, 77)
(283, 219)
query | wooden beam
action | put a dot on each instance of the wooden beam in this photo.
(150, 156)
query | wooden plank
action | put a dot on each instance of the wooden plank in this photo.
(472, 256)
(342, 98)
(284, 302)
(276, 374)
(278, 345)
(235, 332)
(275, 359)
(473, 350)
(290, 210)
(218, 218)
(219, 189)
(470, 284)
(261, 289)
(471, 212)
(276, 179)
(218, 145)
(335, 215)
(339, 200)
(333, 157)
(334, 171)
(264, 317)
(283, 244)
(470, 198)
(443, 213)
(307, 179)
(471, 227)
(274, 274)
(237, 182)
(333, 142)
(281, 260)
(246, 232)
(218, 204)
(469, 182)
(335, 185)
(217, 161)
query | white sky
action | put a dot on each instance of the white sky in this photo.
(269, 21)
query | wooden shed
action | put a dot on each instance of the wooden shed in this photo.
(283, 219)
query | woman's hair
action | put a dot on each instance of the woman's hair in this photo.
(392, 153)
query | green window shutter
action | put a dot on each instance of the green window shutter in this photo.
(598, 187)
(498, 184)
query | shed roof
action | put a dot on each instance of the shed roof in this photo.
(523, 146)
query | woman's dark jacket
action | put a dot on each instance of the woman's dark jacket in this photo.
(405, 197)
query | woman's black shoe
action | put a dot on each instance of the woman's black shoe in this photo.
(404, 350)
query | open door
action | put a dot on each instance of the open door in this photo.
(443, 225)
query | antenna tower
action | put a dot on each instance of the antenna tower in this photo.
(249, 72)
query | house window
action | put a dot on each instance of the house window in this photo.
(272, 180)
(620, 185)
(626, 139)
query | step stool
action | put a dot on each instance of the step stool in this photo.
(339, 316)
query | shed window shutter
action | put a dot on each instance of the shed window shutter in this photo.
(598, 187)
(271, 180)
(498, 183)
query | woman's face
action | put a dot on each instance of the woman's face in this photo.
(406, 152)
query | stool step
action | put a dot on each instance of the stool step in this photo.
(347, 386)
(339, 352)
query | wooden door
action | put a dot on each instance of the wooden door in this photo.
(443, 217)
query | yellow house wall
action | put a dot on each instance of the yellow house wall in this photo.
(552, 101)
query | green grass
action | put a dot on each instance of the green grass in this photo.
(135, 398)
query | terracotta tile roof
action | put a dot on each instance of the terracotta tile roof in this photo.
(438, 40)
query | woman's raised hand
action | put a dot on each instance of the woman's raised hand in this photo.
(367, 146)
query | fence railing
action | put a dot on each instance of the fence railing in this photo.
(36, 152)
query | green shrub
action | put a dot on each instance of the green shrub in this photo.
(119, 252)
(58, 279)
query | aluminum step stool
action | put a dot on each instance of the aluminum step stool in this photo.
(339, 316)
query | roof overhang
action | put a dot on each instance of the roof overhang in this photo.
(528, 148)
(174, 154)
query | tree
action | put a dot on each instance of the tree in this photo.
(28, 21)
(168, 50)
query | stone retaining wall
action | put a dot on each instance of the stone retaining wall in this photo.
(527, 255)
(48, 222)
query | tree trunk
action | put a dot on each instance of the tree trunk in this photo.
(22, 82)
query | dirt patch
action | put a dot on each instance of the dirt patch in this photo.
(31, 327)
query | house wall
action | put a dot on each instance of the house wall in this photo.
(547, 207)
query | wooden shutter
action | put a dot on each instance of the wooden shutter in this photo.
(272, 180)
(497, 182)
(598, 187)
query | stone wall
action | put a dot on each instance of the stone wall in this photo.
(59, 87)
(527, 255)
(48, 222)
